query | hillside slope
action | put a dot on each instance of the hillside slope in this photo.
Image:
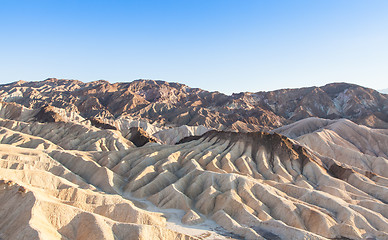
(256, 185)
(356, 145)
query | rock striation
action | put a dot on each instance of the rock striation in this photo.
(257, 185)
(42, 199)
(355, 145)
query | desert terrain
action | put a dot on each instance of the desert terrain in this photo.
(157, 160)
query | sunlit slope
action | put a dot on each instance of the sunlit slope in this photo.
(356, 145)
(256, 185)
(125, 125)
(42, 199)
(168, 104)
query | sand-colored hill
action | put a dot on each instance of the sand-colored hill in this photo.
(71, 136)
(63, 176)
(89, 183)
(125, 125)
(175, 134)
(356, 145)
(42, 199)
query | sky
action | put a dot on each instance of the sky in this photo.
(218, 45)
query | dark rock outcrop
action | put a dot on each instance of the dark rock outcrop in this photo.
(48, 114)
(100, 124)
(139, 137)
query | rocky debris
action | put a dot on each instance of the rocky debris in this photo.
(139, 137)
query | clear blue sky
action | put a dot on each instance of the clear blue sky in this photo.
(224, 45)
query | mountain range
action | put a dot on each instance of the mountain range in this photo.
(173, 104)
(158, 160)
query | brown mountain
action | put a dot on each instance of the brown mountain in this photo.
(174, 104)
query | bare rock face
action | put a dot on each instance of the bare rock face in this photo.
(139, 137)
(47, 114)
(100, 124)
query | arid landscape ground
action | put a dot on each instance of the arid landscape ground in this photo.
(158, 160)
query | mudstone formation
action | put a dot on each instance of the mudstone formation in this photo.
(158, 160)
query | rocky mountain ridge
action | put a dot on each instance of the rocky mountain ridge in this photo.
(173, 104)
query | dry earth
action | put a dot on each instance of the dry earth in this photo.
(65, 176)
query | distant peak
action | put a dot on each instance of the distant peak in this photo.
(20, 82)
(51, 79)
(101, 81)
